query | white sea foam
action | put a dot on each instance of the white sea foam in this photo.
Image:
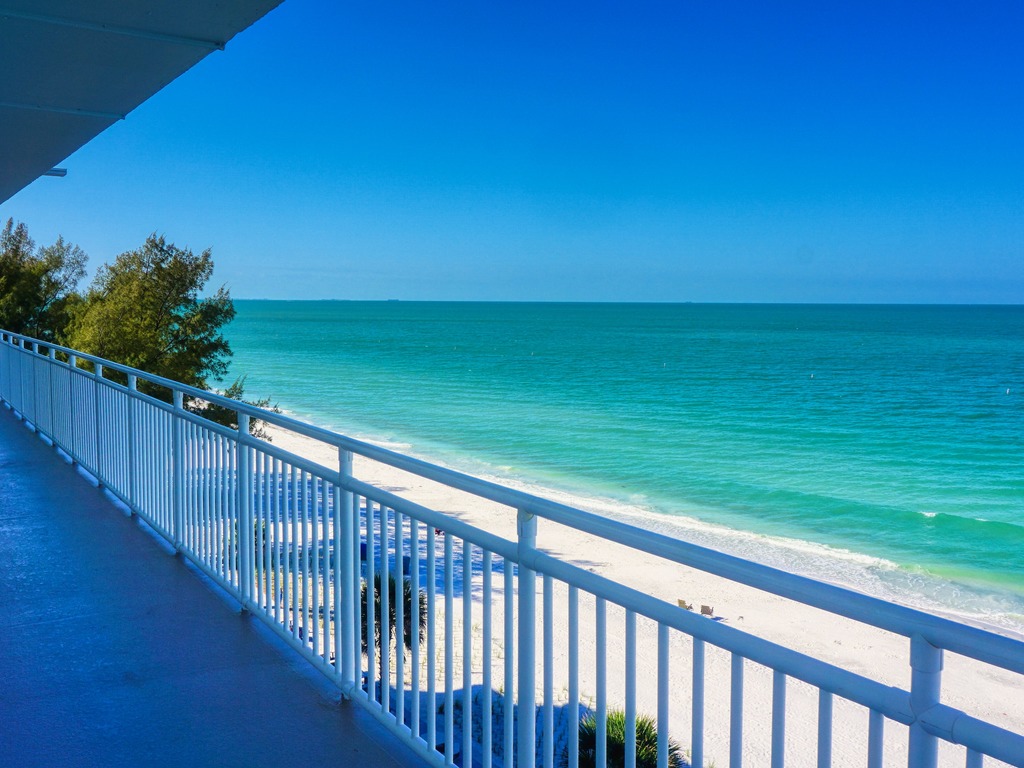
(860, 572)
(863, 573)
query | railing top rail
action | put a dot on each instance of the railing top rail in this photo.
(973, 642)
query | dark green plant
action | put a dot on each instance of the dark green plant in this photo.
(37, 285)
(147, 310)
(150, 310)
(407, 588)
(646, 742)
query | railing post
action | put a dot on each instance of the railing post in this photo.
(51, 367)
(925, 689)
(4, 358)
(35, 386)
(73, 409)
(7, 371)
(21, 378)
(346, 590)
(178, 522)
(97, 378)
(133, 470)
(527, 694)
(246, 526)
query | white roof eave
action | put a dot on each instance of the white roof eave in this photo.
(72, 69)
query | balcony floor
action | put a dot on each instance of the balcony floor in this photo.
(115, 653)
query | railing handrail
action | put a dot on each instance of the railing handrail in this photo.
(973, 642)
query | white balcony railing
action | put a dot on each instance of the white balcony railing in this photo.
(295, 542)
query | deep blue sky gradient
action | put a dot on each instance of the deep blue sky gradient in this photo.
(644, 151)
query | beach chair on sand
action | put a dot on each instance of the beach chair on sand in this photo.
(707, 610)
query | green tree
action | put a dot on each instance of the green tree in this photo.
(37, 286)
(147, 310)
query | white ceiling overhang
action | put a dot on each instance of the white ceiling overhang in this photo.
(69, 69)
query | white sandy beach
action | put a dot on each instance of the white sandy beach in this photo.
(978, 689)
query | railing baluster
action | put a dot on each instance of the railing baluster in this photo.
(210, 460)
(876, 732)
(778, 719)
(32, 401)
(279, 552)
(224, 533)
(203, 494)
(663, 683)
(325, 515)
(293, 552)
(526, 524)
(97, 371)
(204, 497)
(304, 560)
(197, 491)
(73, 412)
(315, 606)
(431, 636)
(269, 485)
(328, 518)
(356, 606)
(400, 618)
(486, 746)
(345, 587)
(974, 759)
(266, 467)
(697, 712)
(384, 619)
(370, 601)
(509, 696)
(824, 729)
(467, 653)
(179, 471)
(601, 682)
(630, 689)
(549, 672)
(189, 489)
(449, 651)
(243, 484)
(736, 713)
(52, 370)
(414, 650)
(574, 675)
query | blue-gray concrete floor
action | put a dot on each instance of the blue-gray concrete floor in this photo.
(113, 652)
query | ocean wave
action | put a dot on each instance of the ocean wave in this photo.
(991, 608)
(982, 523)
(995, 609)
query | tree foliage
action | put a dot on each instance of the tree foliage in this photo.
(37, 286)
(146, 311)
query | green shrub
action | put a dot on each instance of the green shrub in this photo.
(646, 742)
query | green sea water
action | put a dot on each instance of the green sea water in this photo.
(876, 446)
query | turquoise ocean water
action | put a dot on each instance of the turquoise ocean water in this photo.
(877, 446)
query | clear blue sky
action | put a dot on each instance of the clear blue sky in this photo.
(678, 151)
